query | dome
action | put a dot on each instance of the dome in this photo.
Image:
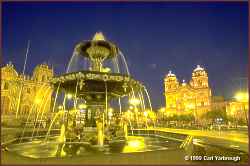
(170, 77)
(170, 74)
(198, 68)
(9, 71)
(199, 71)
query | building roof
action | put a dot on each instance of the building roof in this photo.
(198, 68)
(170, 74)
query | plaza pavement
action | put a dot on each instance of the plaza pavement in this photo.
(226, 135)
(230, 139)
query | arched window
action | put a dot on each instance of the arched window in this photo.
(6, 86)
(202, 103)
(43, 78)
(28, 90)
(25, 110)
(199, 83)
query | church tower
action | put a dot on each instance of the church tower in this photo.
(199, 78)
(171, 86)
(42, 73)
(203, 94)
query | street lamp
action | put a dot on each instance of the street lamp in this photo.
(60, 107)
(69, 96)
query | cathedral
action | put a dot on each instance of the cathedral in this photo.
(193, 97)
(22, 93)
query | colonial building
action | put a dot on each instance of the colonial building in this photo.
(219, 103)
(188, 97)
(22, 93)
(237, 110)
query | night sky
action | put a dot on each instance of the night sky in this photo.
(154, 37)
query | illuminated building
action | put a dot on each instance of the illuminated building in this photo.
(238, 108)
(219, 103)
(185, 98)
(25, 92)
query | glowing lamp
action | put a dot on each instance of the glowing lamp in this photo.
(69, 96)
(82, 106)
(242, 96)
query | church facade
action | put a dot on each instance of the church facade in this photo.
(22, 93)
(193, 97)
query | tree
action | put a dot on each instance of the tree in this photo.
(214, 114)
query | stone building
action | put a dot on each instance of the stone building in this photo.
(237, 110)
(22, 93)
(188, 97)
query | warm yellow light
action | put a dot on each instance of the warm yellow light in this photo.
(110, 114)
(69, 96)
(82, 106)
(131, 107)
(162, 110)
(106, 70)
(135, 144)
(190, 106)
(37, 101)
(134, 101)
(242, 96)
(60, 107)
(98, 36)
(145, 113)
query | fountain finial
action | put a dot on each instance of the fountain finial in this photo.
(99, 36)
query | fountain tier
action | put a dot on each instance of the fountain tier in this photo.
(91, 85)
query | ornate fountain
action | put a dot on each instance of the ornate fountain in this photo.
(96, 86)
(91, 90)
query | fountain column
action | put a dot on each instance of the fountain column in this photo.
(125, 128)
(100, 133)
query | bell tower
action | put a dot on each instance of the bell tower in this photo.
(199, 78)
(171, 87)
(171, 82)
(42, 73)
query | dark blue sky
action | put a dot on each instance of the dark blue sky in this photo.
(155, 38)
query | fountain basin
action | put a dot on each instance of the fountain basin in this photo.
(40, 149)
